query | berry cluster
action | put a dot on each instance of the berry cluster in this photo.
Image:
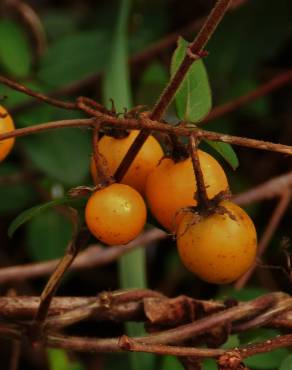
(218, 246)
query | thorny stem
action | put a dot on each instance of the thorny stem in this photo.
(201, 193)
(195, 51)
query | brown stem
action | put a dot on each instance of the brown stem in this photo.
(267, 236)
(267, 346)
(112, 306)
(130, 344)
(268, 190)
(275, 83)
(32, 20)
(266, 318)
(91, 257)
(151, 125)
(201, 193)
(39, 96)
(48, 293)
(198, 327)
(195, 50)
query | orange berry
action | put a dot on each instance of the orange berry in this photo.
(114, 150)
(115, 214)
(172, 186)
(6, 125)
(219, 248)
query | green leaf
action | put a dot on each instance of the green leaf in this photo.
(74, 57)
(15, 53)
(226, 151)
(232, 342)
(64, 154)
(14, 197)
(26, 215)
(193, 98)
(59, 360)
(154, 78)
(209, 364)
(171, 363)
(286, 363)
(116, 84)
(48, 235)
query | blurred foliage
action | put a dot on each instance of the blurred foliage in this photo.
(251, 45)
(59, 360)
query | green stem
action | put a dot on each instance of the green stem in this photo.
(116, 86)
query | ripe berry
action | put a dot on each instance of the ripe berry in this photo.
(6, 125)
(115, 214)
(220, 247)
(114, 150)
(172, 186)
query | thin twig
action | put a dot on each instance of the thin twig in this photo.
(132, 345)
(275, 83)
(47, 294)
(268, 190)
(39, 96)
(270, 229)
(91, 257)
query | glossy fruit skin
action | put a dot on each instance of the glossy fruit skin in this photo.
(171, 187)
(6, 125)
(218, 249)
(115, 214)
(114, 150)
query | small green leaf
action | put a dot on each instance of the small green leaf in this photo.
(25, 216)
(286, 363)
(15, 54)
(226, 151)
(193, 98)
(232, 342)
